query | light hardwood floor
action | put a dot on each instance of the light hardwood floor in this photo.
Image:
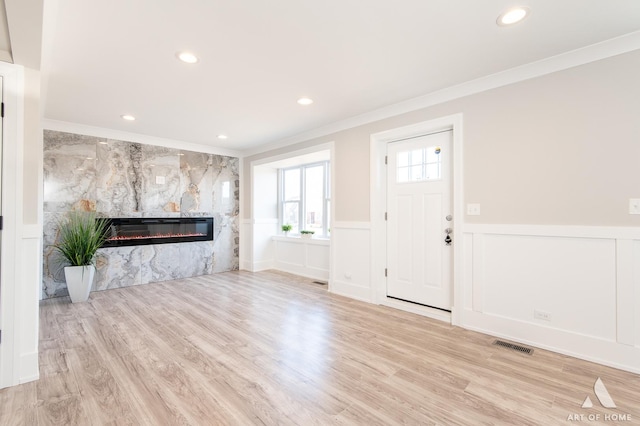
(244, 348)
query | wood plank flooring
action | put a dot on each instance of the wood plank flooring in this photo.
(243, 348)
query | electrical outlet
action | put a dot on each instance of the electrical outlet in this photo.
(542, 315)
(473, 209)
(160, 180)
(634, 205)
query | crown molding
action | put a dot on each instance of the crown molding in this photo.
(101, 132)
(595, 52)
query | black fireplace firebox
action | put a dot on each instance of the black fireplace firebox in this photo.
(142, 231)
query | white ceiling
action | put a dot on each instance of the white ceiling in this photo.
(102, 59)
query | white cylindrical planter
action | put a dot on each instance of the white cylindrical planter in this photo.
(79, 281)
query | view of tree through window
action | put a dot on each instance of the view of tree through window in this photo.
(291, 199)
(304, 198)
(314, 200)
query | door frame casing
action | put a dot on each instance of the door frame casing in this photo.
(11, 288)
(378, 207)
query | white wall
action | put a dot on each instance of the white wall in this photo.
(557, 149)
(258, 232)
(557, 153)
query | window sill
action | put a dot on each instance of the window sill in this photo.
(296, 239)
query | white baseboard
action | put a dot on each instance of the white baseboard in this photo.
(348, 289)
(303, 271)
(262, 265)
(589, 348)
(246, 265)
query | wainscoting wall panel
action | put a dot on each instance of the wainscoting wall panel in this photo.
(308, 258)
(263, 249)
(571, 279)
(246, 245)
(573, 290)
(635, 315)
(350, 260)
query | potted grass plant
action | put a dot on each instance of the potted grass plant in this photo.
(306, 233)
(81, 235)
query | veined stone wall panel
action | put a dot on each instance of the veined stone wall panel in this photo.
(125, 179)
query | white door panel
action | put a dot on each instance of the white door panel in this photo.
(1, 162)
(418, 201)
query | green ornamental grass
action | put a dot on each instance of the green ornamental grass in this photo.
(81, 235)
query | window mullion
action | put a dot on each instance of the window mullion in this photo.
(302, 208)
(325, 193)
(280, 199)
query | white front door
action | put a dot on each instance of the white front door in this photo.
(418, 218)
(1, 162)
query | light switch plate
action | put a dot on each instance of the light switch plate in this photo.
(634, 205)
(160, 180)
(473, 209)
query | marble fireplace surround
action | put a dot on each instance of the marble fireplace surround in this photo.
(119, 179)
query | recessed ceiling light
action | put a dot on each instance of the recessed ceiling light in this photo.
(89, 158)
(305, 101)
(128, 117)
(222, 136)
(180, 154)
(187, 57)
(103, 143)
(512, 16)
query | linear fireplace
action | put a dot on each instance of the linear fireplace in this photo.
(143, 231)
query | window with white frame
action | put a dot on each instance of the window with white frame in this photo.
(304, 198)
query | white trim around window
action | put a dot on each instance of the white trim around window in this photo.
(301, 199)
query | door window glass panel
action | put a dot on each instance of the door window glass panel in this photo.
(417, 157)
(417, 172)
(433, 171)
(419, 165)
